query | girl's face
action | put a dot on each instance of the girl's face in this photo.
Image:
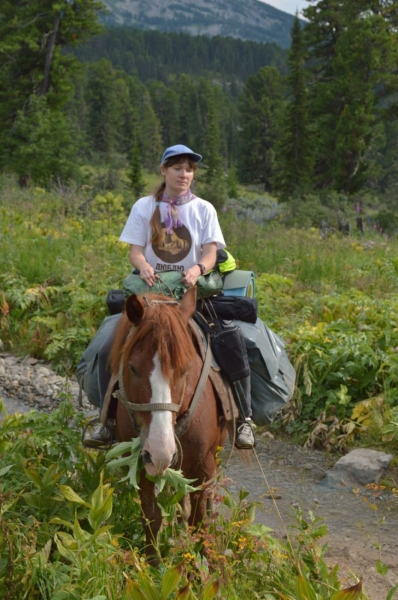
(178, 178)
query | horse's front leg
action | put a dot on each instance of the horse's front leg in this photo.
(151, 518)
(202, 500)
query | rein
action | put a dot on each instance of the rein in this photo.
(185, 420)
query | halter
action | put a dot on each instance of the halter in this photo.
(185, 420)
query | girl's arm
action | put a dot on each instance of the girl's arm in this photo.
(138, 260)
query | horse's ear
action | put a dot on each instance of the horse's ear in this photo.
(188, 302)
(134, 309)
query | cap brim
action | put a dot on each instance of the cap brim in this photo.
(195, 157)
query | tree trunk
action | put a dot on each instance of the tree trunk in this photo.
(49, 56)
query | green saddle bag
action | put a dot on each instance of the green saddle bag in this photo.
(170, 284)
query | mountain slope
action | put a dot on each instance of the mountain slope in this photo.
(244, 19)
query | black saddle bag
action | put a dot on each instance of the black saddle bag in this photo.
(115, 301)
(229, 350)
(228, 347)
(229, 308)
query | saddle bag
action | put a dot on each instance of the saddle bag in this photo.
(170, 283)
(272, 375)
(228, 347)
(230, 307)
(229, 350)
(115, 301)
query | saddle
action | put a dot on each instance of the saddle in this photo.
(221, 387)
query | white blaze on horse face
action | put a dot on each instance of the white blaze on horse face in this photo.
(160, 442)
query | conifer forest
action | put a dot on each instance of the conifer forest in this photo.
(317, 118)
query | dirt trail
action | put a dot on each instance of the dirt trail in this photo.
(362, 525)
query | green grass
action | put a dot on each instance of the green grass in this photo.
(334, 301)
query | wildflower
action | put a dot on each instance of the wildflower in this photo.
(189, 557)
(242, 542)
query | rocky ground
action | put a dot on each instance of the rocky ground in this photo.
(282, 477)
(29, 383)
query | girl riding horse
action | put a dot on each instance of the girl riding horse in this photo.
(172, 209)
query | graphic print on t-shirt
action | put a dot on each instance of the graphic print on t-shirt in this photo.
(175, 246)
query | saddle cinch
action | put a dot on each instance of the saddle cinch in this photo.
(272, 376)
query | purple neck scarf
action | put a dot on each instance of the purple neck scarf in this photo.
(173, 217)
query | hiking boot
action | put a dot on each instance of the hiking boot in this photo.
(245, 435)
(101, 436)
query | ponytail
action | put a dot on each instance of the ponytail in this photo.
(155, 222)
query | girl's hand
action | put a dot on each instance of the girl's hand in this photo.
(191, 276)
(148, 275)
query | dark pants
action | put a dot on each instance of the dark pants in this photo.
(104, 371)
(245, 411)
(231, 354)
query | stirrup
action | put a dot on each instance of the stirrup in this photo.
(102, 437)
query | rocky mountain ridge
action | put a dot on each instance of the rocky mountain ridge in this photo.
(244, 19)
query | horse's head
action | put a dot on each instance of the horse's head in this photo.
(157, 352)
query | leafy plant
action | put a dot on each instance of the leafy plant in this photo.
(175, 485)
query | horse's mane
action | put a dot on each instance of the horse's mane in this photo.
(166, 328)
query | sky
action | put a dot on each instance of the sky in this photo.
(289, 6)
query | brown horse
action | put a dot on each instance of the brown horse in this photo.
(159, 367)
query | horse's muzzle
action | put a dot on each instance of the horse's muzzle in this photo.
(147, 458)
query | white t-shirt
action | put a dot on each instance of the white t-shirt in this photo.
(182, 248)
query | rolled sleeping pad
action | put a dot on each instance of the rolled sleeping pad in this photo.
(239, 283)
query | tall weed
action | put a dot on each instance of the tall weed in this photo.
(58, 509)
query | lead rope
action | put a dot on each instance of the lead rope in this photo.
(272, 496)
(214, 479)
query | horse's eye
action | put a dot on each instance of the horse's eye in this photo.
(133, 370)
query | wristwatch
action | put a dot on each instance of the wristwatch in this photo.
(202, 268)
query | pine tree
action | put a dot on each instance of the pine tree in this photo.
(232, 180)
(353, 54)
(42, 148)
(135, 174)
(32, 62)
(215, 184)
(184, 89)
(261, 107)
(103, 109)
(295, 156)
(165, 104)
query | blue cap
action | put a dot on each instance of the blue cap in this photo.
(179, 149)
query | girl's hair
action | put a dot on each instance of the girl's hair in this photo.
(155, 223)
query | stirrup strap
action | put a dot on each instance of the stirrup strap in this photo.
(183, 423)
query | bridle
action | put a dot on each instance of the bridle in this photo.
(184, 420)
